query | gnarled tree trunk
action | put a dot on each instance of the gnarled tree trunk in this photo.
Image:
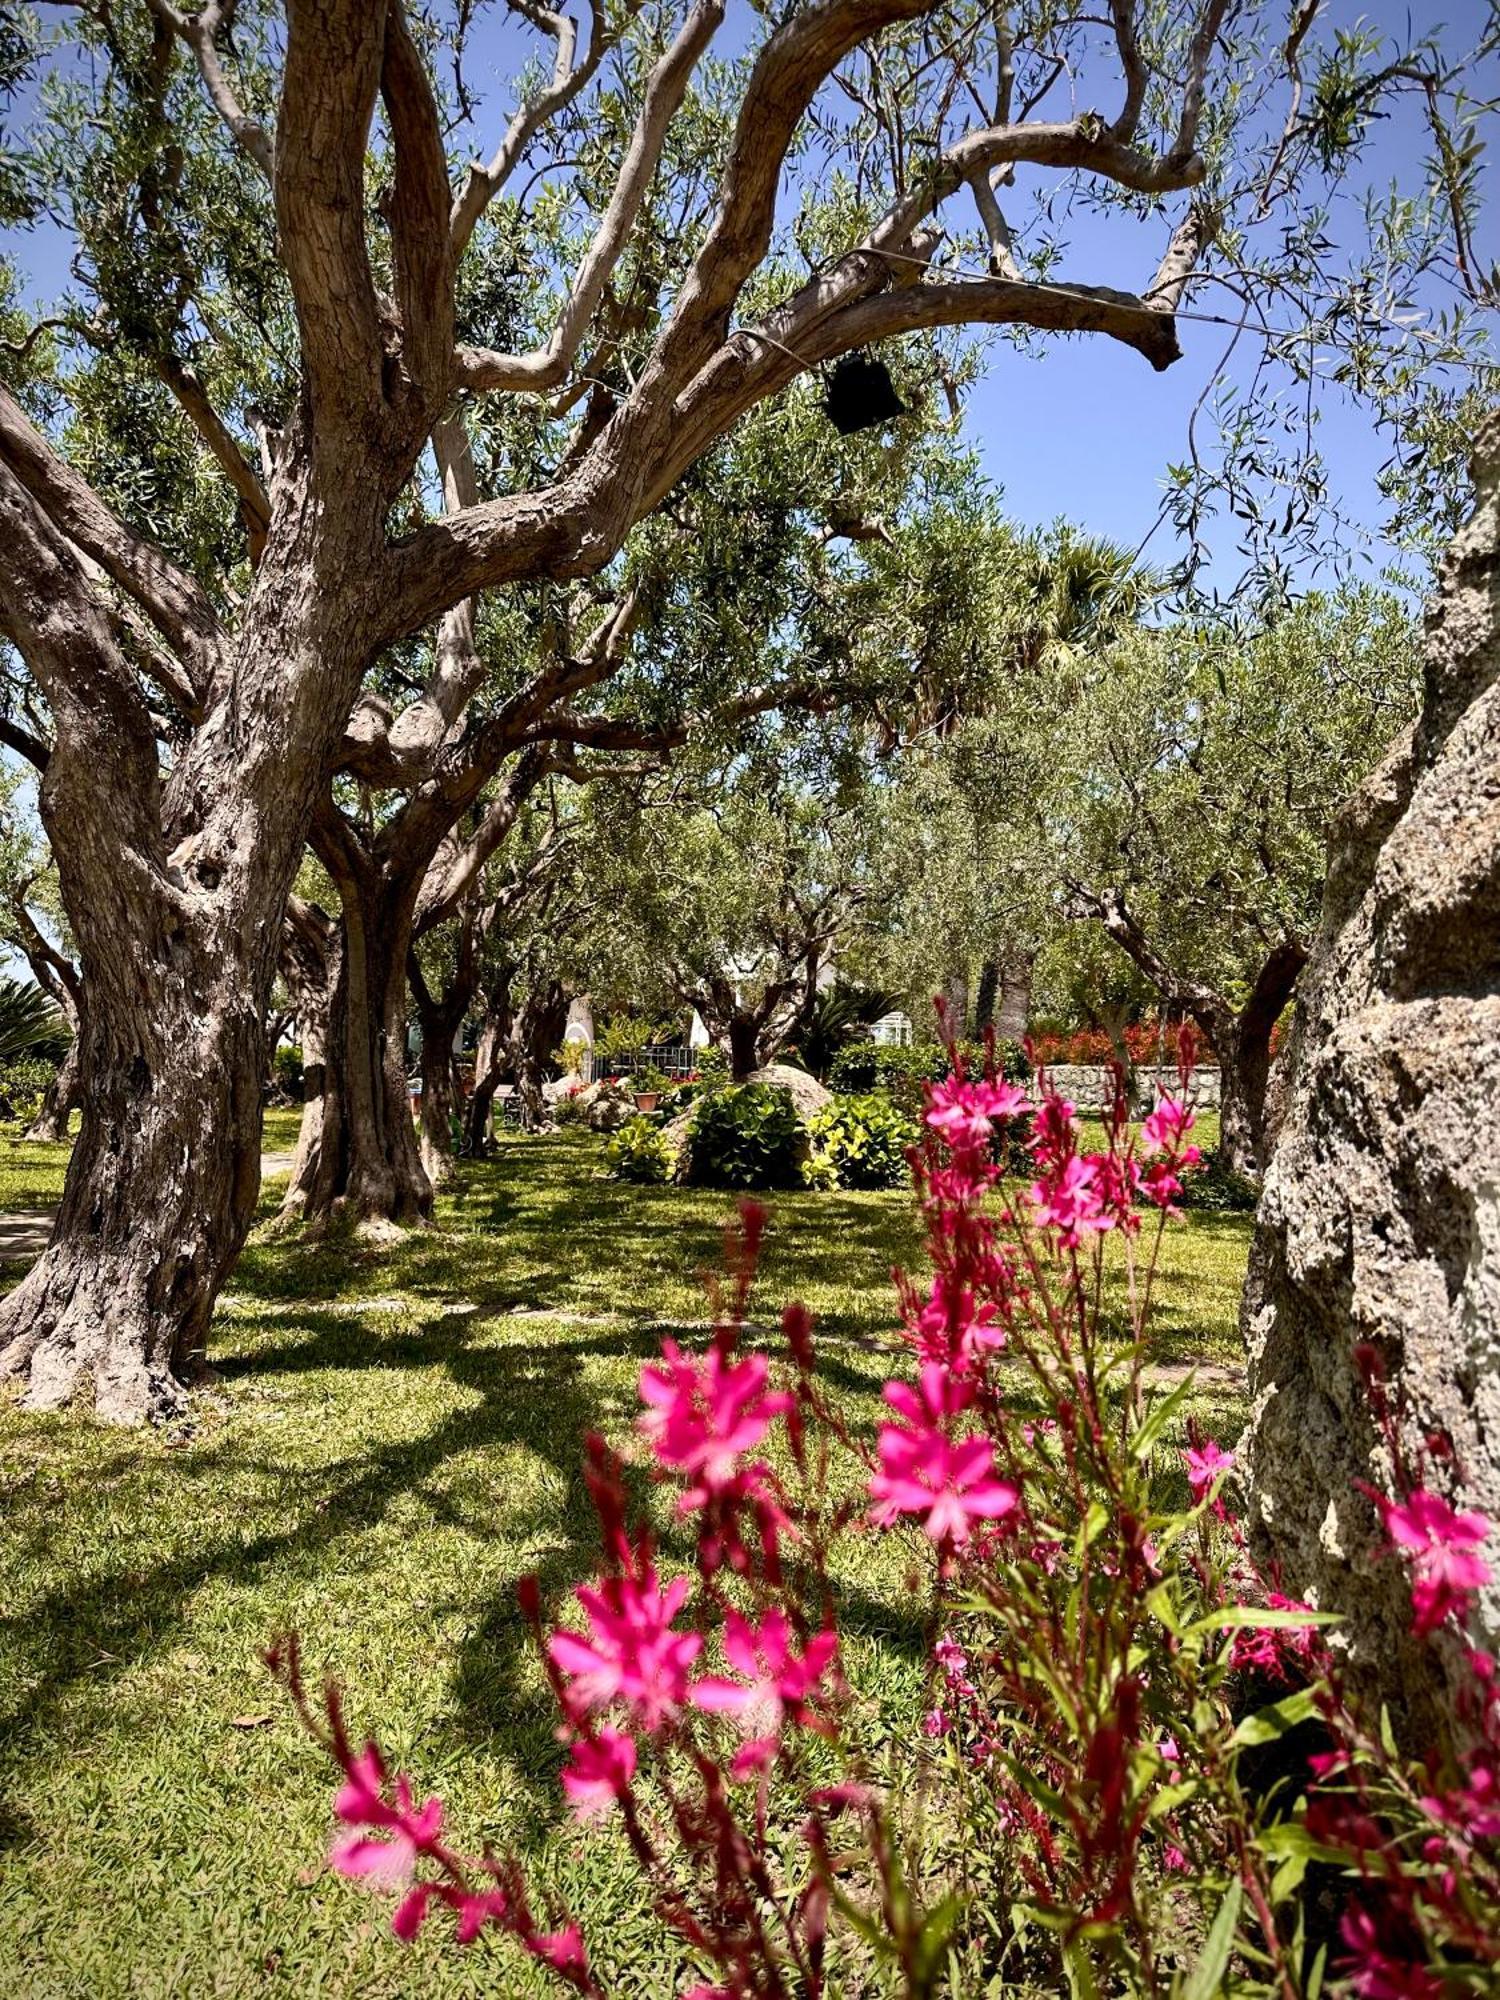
(1017, 965)
(312, 956)
(1239, 1040)
(368, 1168)
(61, 1098)
(1379, 1225)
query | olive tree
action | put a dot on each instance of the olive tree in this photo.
(1211, 760)
(271, 234)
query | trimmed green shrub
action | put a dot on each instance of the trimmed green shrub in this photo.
(901, 1072)
(1216, 1189)
(641, 1152)
(747, 1136)
(863, 1141)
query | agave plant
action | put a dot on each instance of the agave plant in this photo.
(31, 1023)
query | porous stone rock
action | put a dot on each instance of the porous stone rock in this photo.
(804, 1090)
(1379, 1225)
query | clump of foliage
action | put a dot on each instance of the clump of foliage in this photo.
(713, 1069)
(1218, 1190)
(31, 1023)
(903, 1072)
(24, 1082)
(286, 1072)
(641, 1152)
(834, 1018)
(746, 1136)
(626, 1037)
(1076, 1809)
(570, 1108)
(1144, 1044)
(860, 1142)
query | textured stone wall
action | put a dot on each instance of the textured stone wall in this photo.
(1090, 1085)
(1380, 1217)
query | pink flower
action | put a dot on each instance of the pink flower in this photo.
(599, 1772)
(1072, 1201)
(1280, 1652)
(1175, 1861)
(953, 1327)
(934, 1723)
(410, 1830)
(1053, 1133)
(562, 1950)
(1205, 1462)
(1372, 1973)
(1475, 1806)
(1168, 1123)
(1441, 1545)
(778, 1680)
(964, 1111)
(631, 1654)
(923, 1472)
(1161, 1186)
(705, 1414)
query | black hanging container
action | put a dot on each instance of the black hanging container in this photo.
(861, 395)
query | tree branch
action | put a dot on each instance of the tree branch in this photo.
(198, 31)
(170, 599)
(444, 886)
(417, 211)
(483, 183)
(1207, 1006)
(334, 56)
(546, 367)
(255, 508)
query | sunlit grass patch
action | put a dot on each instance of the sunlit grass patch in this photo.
(393, 1441)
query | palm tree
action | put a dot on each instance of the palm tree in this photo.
(30, 1022)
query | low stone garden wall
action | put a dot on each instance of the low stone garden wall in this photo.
(1090, 1086)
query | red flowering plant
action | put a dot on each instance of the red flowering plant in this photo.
(1072, 1806)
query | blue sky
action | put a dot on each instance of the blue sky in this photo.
(1083, 428)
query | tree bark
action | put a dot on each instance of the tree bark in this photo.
(1244, 1052)
(1240, 1041)
(440, 1016)
(61, 1099)
(487, 1079)
(369, 1169)
(1013, 1014)
(1379, 1225)
(160, 1188)
(743, 1032)
(986, 994)
(311, 964)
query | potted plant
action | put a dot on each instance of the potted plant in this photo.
(647, 1086)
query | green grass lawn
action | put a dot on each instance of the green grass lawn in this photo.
(394, 1441)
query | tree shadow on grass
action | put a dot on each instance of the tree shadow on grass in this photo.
(102, 1626)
